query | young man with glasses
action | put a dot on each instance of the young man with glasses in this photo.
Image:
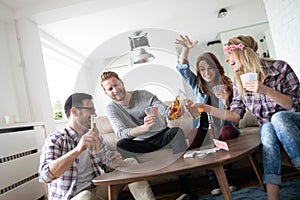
(67, 165)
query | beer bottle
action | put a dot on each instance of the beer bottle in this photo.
(212, 130)
(175, 107)
(187, 102)
(95, 147)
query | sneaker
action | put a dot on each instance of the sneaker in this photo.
(183, 197)
(214, 183)
(216, 191)
(232, 188)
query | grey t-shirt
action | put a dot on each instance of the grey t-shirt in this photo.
(123, 118)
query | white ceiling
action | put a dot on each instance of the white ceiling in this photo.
(85, 24)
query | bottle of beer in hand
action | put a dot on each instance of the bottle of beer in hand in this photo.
(174, 108)
(95, 147)
(212, 130)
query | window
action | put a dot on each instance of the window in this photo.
(62, 67)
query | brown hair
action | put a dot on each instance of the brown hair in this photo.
(248, 59)
(75, 100)
(107, 75)
(220, 78)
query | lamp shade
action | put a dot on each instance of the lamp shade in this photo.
(142, 56)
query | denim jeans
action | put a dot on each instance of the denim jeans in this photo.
(283, 130)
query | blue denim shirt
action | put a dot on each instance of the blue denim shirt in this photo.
(191, 79)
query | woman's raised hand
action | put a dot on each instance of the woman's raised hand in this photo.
(186, 42)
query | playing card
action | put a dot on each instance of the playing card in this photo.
(248, 77)
(252, 76)
(151, 110)
(244, 79)
(217, 88)
(154, 110)
(190, 154)
(221, 144)
(146, 111)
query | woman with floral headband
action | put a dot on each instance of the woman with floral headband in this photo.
(274, 98)
(209, 73)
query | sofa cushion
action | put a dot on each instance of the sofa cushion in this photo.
(249, 130)
(107, 132)
(104, 125)
(249, 120)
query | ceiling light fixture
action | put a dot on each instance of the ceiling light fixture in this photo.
(138, 40)
(142, 56)
(211, 43)
(222, 13)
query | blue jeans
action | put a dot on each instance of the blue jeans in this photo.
(283, 130)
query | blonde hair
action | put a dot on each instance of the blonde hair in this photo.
(248, 58)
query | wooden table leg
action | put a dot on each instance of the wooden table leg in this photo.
(254, 163)
(113, 192)
(222, 180)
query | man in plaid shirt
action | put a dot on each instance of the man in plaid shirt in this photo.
(69, 168)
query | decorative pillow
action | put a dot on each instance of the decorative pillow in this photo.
(103, 125)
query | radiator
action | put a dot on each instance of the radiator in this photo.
(20, 149)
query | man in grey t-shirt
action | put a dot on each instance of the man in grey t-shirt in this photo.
(138, 132)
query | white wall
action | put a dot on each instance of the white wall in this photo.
(284, 20)
(35, 74)
(8, 105)
(161, 71)
(256, 31)
(23, 79)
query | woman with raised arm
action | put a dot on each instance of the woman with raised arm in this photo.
(273, 96)
(209, 74)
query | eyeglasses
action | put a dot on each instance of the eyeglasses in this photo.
(91, 109)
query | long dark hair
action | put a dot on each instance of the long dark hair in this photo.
(220, 78)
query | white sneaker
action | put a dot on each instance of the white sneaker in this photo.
(183, 197)
(218, 190)
(232, 188)
(215, 191)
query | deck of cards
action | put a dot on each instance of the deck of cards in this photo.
(200, 153)
(151, 110)
(248, 77)
(219, 90)
(221, 144)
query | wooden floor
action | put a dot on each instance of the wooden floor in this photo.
(200, 185)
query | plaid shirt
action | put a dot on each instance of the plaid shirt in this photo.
(58, 144)
(281, 78)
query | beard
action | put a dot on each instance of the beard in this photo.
(83, 122)
(119, 95)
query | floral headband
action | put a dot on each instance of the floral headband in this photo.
(232, 47)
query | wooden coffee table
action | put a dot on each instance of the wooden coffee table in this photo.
(241, 147)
